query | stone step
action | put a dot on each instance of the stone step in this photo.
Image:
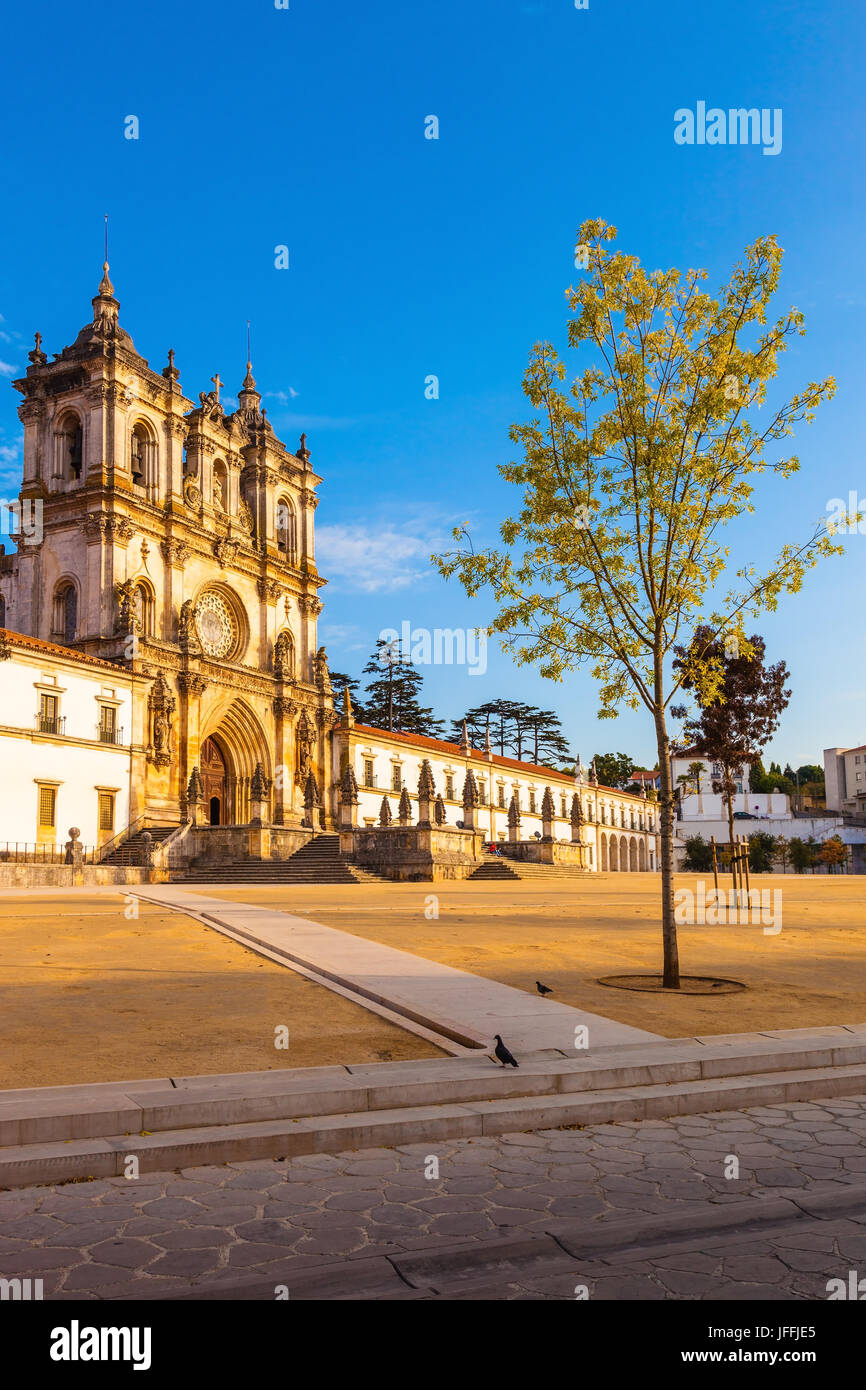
(231, 1143)
(67, 1132)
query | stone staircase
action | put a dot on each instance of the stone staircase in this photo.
(54, 1134)
(131, 851)
(318, 861)
(493, 869)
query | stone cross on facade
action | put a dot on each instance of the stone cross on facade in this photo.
(217, 384)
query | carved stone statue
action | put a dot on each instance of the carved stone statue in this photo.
(321, 674)
(187, 635)
(283, 657)
(304, 745)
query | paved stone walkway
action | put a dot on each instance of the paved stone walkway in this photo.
(372, 1224)
(452, 1001)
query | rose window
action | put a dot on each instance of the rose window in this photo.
(216, 626)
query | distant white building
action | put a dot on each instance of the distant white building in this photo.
(619, 828)
(65, 723)
(698, 801)
(845, 779)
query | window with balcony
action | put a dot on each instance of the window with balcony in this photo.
(449, 787)
(107, 730)
(396, 778)
(48, 720)
(368, 773)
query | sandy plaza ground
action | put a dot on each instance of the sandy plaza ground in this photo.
(108, 998)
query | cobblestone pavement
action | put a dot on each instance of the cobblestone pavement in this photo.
(227, 1226)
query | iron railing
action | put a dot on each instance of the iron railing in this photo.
(51, 724)
(29, 852)
(106, 734)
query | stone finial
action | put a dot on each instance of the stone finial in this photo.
(548, 810)
(404, 811)
(385, 812)
(513, 812)
(36, 355)
(302, 451)
(348, 712)
(488, 751)
(579, 774)
(311, 792)
(426, 785)
(464, 744)
(593, 775)
(106, 289)
(470, 789)
(260, 785)
(195, 788)
(439, 811)
(349, 787)
(576, 810)
(73, 849)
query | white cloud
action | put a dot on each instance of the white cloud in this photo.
(375, 559)
(283, 396)
(6, 369)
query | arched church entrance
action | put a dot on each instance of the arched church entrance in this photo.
(213, 777)
(228, 758)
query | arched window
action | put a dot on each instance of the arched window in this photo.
(143, 456)
(69, 448)
(66, 611)
(143, 601)
(286, 528)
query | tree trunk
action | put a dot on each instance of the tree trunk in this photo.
(671, 972)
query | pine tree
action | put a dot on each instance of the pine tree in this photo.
(391, 697)
(339, 683)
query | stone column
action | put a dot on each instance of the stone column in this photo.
(547, 814)
(348, 798)
(470, 798)
(194, 797)
(259, 796)
(426, 794)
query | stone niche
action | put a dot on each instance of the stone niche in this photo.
(412, 853)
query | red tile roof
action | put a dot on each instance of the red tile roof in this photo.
(35, 644)
(437, 745)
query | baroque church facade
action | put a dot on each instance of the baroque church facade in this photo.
(176, 540)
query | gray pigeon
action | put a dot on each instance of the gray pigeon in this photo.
(502, 1053)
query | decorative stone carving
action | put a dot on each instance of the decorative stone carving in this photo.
(245, 517)
(127, 618)
(191, 682)
(120, 530)
(548, 811)
(284, 708)
(283, 657)
(187, 634)
(176, 553)
(439, 810)
(513, 820)
(225, 551)
(192, 494)
(260, 788)
(426, 790)
(404, 809)
(321, 676)
(5, 648)
(385, 812)
(304, 748)
(161, 706)
(312, 800)
(576, 819)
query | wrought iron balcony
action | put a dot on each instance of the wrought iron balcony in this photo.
(51, 724)
(106, 734)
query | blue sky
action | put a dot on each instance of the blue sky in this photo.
(409, 257)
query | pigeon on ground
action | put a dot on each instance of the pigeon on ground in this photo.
(543, 989)
(502, 1053)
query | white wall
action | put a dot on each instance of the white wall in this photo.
(77, 760)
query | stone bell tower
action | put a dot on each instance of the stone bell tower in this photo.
(178, 540)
